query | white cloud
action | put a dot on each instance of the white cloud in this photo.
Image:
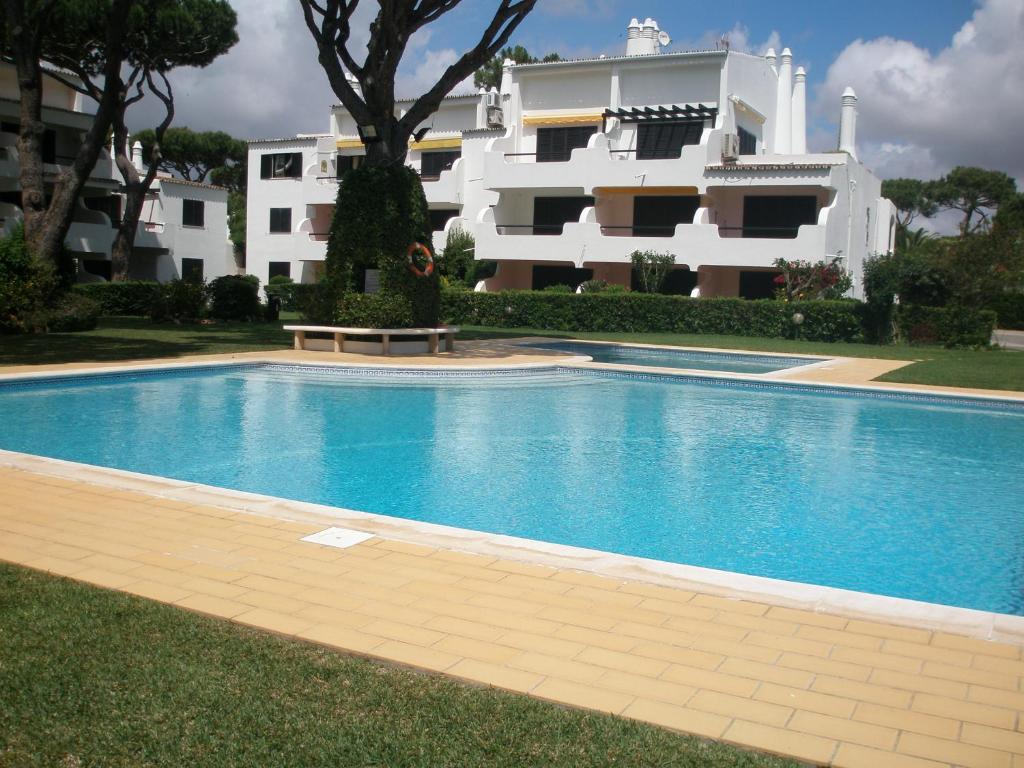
(270, 84)
(923, 113)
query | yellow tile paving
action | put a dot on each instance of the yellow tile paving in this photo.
(818, 687)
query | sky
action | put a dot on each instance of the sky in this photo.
(939, 81)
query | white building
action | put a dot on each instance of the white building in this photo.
(574, 165)
(183, 228)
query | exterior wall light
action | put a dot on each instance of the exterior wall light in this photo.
(367, 133)
(798, 319)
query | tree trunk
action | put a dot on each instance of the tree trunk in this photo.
(47, 224)
(136, 186)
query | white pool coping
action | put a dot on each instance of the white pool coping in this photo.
(971, 622)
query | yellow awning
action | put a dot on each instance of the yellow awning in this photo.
(349, 144)
(449, 143)
(582, 118)
(645, 191)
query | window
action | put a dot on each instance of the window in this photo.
(678, 282)
(98, 267)
(432, 163)
(440, 217)
(758, 285)
(544, 276)
(658, 141)
(555, 145)
(280, 220)
(192, 270)
(279, 268)
(657, 216)
(281, 165)
(778, 216)
(346, 163)
(551, 213)
(748, 142)
(193, 213)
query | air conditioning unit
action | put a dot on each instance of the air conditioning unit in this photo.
(730, 147)
(492, 99)
(495, 117)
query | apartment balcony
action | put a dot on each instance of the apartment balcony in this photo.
(446, 187)
(696, 244)
(91, 232)
(154, 234)
(104, 173)
(599, 164)
(320, 180)
(307, 243)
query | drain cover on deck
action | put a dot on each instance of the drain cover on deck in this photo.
(338, 537)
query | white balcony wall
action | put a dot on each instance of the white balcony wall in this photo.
(695, 245)
(448, 187)
(597, 165)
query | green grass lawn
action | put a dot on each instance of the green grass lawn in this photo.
(127, 338)
(90, 677)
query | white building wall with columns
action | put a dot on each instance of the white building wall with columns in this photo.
(743, 155)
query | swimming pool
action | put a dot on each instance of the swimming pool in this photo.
(914, 496)
(732, 362)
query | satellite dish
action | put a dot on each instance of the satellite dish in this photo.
(663, 39)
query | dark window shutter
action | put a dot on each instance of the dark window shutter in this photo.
(266, 166)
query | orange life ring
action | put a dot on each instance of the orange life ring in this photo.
(428, 269)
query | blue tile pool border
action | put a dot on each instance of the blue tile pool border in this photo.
(14, 382)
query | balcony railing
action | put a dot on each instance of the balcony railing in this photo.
(534, 229)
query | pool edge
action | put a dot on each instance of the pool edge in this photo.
(969, 622)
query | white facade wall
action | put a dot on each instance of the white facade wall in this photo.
(494, 185)
(304, 247)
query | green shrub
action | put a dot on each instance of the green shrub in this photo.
(615, 312)
(24, 285)
(71, 312)
(1009, 309)
(455, 262)
(280, 280)
(315, 302)
(651, 269)
(179, 300)
(380, 212)
(284, 293)
(953, 326)
(235, 297)
(131, 297)
(374, 310)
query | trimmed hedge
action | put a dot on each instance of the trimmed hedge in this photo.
(321, 303)
(952, 326)
(285, 293)
(1009, 309)
(647, 313)
(132, 297)
(235, 297)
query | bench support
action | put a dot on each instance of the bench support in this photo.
(385, 344)
(339, 342)
(300, 339)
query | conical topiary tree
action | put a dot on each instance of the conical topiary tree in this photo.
(380, 212)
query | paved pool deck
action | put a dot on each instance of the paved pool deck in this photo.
(819, 686)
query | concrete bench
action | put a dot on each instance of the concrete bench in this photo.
(433, 335)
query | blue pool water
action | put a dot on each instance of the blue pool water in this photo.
(678, 358)
(921, 499)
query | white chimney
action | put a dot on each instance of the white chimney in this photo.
(137, 156)
(644, 39)
(784, 106)
(506, 77)
(633, 42)
(799, 146)
(770, 58)
(848, 124)
(481, 107)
